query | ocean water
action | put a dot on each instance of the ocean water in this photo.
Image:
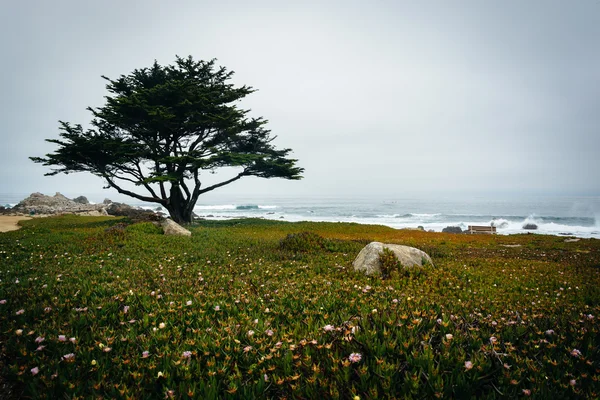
(554, 215)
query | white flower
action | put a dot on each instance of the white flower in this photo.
(189, 303)
(162, 325)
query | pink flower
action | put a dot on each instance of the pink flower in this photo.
(35, 370)
(40, 348)
(68, 357)
(493, 340)
(145, 354)
(3, 301)
(107, 349)
(575, 353)
(247, 349)
(527, 392)
(468, 365)
(20, 312)
(189, 303)
(250, 333)
(355, 357)
(572, 382)
(125, 309)
(269, 332)
(217, 308)
(62, 338)
(449, 336)
(39, 339)
(187, 354)
(328, 328)
(550, 332)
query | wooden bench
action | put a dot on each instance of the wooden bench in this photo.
(474, 229)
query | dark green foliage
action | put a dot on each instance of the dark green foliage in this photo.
(302, 242)
(145, 228)
(162, 127)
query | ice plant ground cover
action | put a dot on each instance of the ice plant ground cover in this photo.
(95, 308)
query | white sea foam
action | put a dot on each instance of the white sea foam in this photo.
(216, 207)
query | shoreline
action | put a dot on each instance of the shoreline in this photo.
(11, 222)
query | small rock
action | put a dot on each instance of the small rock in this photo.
(572, 240)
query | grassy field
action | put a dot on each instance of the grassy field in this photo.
(95, 308)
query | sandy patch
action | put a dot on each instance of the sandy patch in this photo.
(9, 222)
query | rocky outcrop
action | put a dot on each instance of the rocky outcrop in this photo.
(530, 226)
(171, 227)
(452, 229)
(124, 210)
(38, 203)
(368, 262)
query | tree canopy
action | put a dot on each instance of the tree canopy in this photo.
(162, 127)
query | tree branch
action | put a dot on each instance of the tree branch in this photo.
(132, 194)
(227, 182)
(143, 178)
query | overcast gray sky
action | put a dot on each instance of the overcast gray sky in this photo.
(381, 97)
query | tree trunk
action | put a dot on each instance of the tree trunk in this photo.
(177, 207)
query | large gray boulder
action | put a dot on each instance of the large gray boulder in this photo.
(368, 261)
(171, 227)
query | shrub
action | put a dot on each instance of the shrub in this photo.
(144, 227)
(302, 242)
(389, 262)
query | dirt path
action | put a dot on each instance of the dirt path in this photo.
(9, 222)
